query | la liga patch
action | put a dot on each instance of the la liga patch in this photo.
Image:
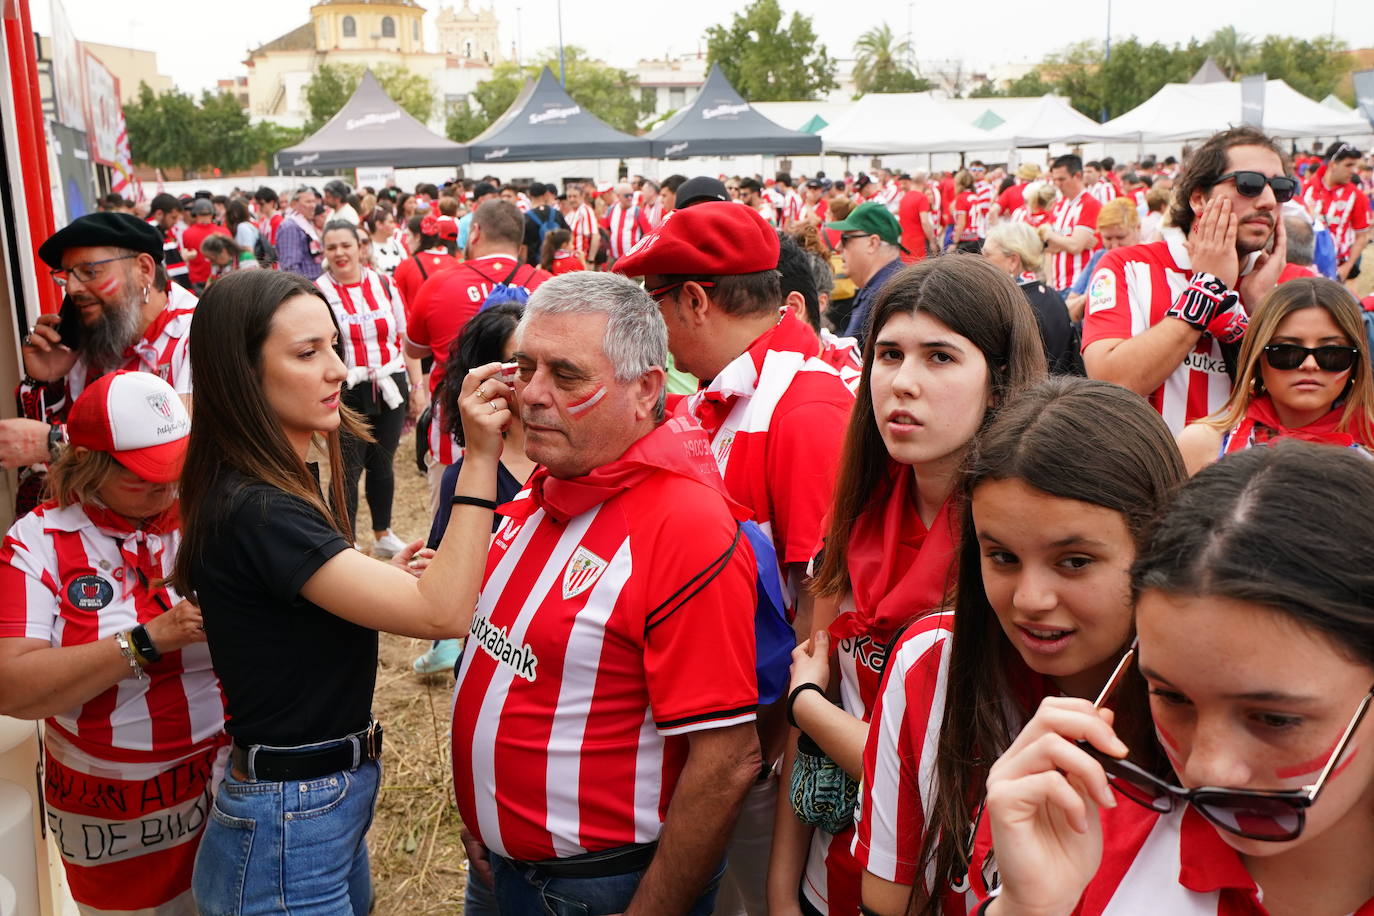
(89, 593)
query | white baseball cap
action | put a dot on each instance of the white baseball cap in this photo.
(135, 417)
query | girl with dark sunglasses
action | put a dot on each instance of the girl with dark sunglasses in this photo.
(1256, 641)
(1056, 498)
(1304, 374)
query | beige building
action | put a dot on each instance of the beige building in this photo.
(470, 35)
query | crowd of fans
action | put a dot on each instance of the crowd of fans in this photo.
(815, 546)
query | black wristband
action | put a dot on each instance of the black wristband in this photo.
(457, 500)
(143, 644)
(792, 699)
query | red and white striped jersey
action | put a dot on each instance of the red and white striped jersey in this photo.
(984, 195)
(773, 402)
(626, 226)
(69, 581)
(1128, 294)
(582, 222)
(267, 227)
(442, 445)
(584, 675)
(1344, 209)
(653, 215)
(372, 319)
(164, 350)
(966, 204)
(767, 211)
(792, 206)
(1068, 215)
(888, 196)
(899, 756)
(1103, 191)
(1170, 863)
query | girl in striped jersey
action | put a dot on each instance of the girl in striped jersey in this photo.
(381, 378)
(1256, 641)
(1058, 491)
(1304, 374)
(952, 338)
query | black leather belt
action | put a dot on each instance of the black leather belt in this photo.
(281, 764)
(619, 861)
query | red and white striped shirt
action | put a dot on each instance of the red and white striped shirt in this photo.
(1103, 191)
(888, 196)
(1344, 209)
(582, 222)
(1169, 863)
(582, 679)
(966, 203)
(1068, 215)
(626, 225)
(268, 226)
(984, 195)
(899, 756)
(70, 581)
(773, 402)
(372, 320)
(1129, 293)
(792, 207)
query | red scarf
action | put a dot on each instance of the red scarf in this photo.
(712, 404)
(677, 446)
(898, 569)
(141, 547)
(1262, 424)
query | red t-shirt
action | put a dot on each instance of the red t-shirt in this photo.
(566, 262)
(411, 273)
(198, 268)
(909, 211)
(446, 301)
(966, 204)
(1013, 198)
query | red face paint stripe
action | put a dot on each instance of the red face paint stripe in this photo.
(1314, 765)
(588, 402)
(1165, 737)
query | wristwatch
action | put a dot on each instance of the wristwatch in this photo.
(143, 644)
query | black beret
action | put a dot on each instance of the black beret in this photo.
(699, 190)
(114, 230)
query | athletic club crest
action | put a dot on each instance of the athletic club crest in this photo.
(161, 405)
(89, 593)
(583, 570)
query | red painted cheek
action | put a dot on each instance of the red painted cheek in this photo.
(579, 408)
(106, 287)
(1313, 766)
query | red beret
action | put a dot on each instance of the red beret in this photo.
(711, 239)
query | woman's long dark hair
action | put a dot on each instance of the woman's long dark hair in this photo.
(1072, 438)
(556, 239)
(483, 340)
(235, 428)
(1230, 534)
(970, 297)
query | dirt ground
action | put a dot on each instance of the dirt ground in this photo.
(418, 865)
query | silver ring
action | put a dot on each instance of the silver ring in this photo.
(493, 406)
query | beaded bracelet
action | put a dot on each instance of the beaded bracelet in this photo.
(127, 650)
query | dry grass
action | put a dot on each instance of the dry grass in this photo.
(418, 864)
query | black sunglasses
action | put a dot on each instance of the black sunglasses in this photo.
(1251, 184)
(1287, 356)
(1275, 815)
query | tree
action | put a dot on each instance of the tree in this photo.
(767, 62)
(607, 92)
(333, 84)
(172, 131)
(1311, 67)
(880, 64)
(1231, 50)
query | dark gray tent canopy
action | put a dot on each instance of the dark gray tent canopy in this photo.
(371, 129)
(544, 123)
(720, 123)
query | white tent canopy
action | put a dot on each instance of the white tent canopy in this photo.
(1046, 120)
(1179, 112)
(795, 115)
(904, 122)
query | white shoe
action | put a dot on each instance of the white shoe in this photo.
(387, 546)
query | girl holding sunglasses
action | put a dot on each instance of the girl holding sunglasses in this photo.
(1304, 374)
(1258, 651)
(1056, 498)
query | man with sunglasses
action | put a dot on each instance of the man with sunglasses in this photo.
(871, 246)
(1164, 318)
(1333, 197)
(120, 312)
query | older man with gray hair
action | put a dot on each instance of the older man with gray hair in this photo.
(625, 222)
(1302, 248)
(603, 732)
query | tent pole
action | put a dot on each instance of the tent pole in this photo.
(562, 69)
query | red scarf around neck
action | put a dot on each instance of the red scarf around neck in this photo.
(677, 446)
(141, 547)
(1262, 421)
(898, 569)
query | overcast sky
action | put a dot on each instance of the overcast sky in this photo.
(199, 42)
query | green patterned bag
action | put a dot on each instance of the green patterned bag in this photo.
(823, 794)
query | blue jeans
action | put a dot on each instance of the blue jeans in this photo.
(297, 847)
(523, 891)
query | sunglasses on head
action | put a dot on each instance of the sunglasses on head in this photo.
(1287, 356)
(1251, 184)
(1274, 815)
